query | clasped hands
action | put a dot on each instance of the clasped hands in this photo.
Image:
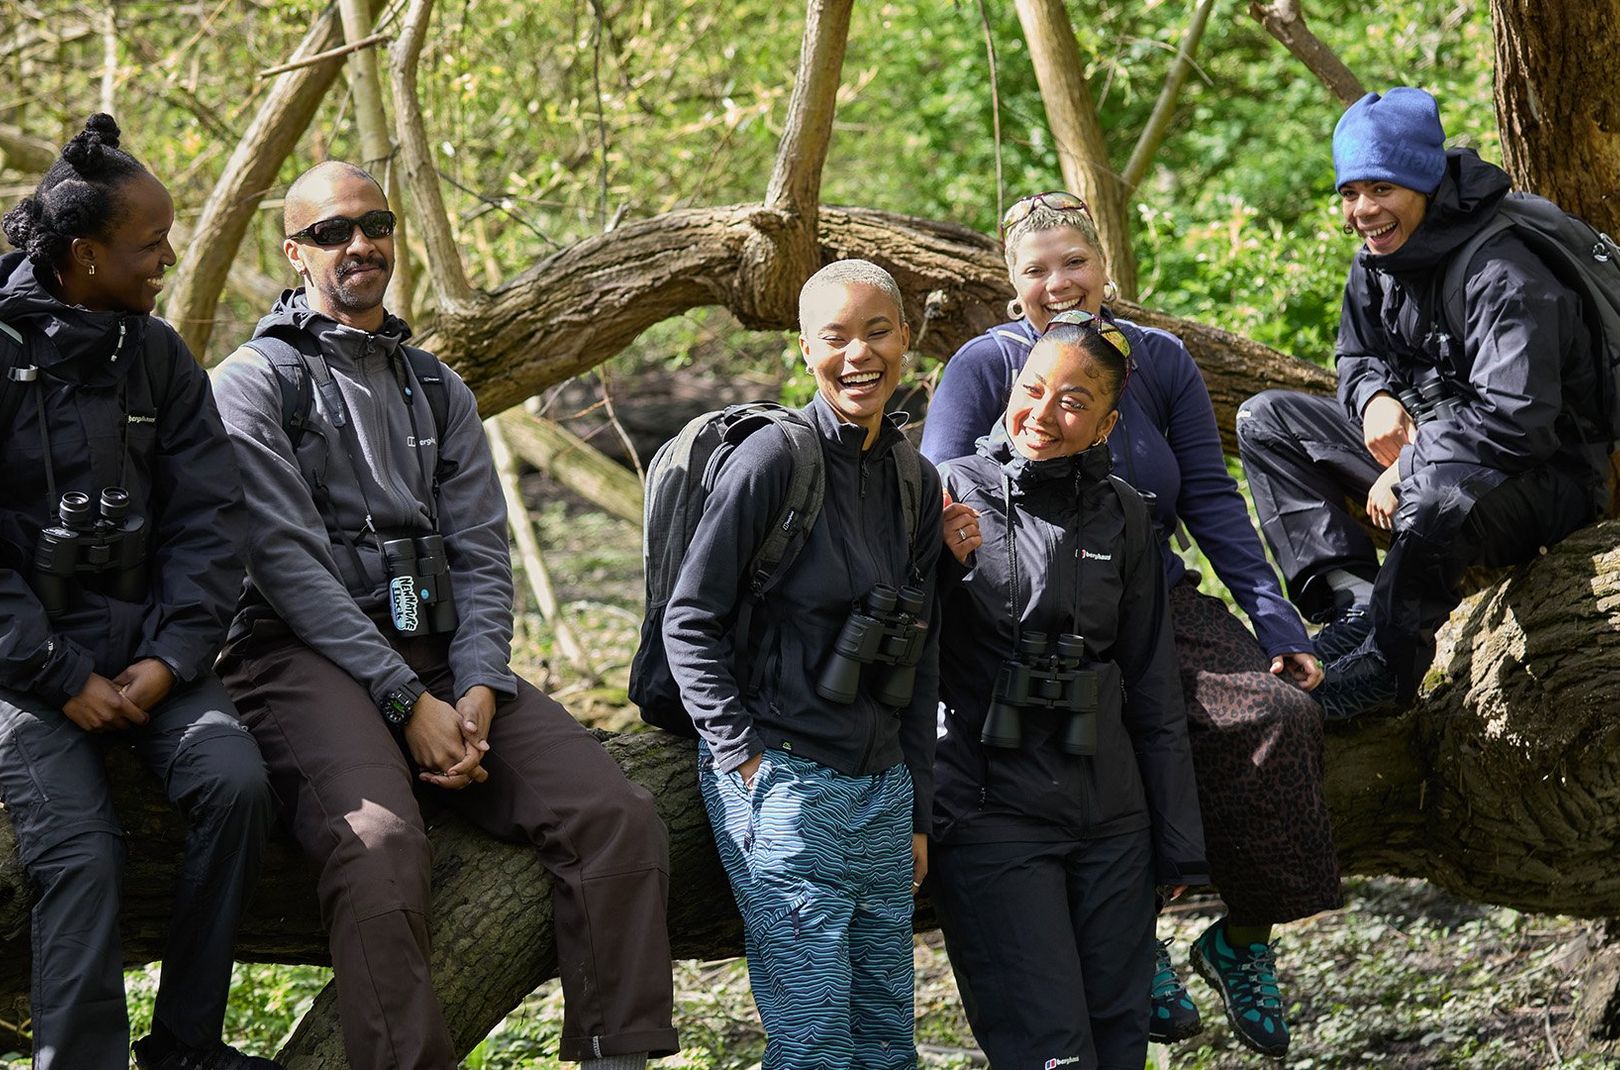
(125, 701)
(1386, 427)
(449, 742)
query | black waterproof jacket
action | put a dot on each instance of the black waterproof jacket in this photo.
(1072, 551)
(1524, 373)
(97, 376)
(858, 541)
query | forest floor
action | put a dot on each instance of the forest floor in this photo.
(1403, 977)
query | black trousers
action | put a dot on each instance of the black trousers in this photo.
(55, 789)
(1052, 946)
(1304, 457)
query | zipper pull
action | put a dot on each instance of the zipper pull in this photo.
(118, 348)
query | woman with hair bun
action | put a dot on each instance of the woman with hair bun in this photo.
(120, 528)
(1064, 780)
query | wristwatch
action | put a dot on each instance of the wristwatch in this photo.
(398, 705)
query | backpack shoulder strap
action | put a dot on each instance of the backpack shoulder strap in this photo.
(430, 373)
(1138, 528)
(291, 362)
(18, 371)
(908, 466)
(1453, 291)
(807, 491)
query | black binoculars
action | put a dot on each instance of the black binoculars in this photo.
(1045, 674)
(420, 598)
(884, 630)
(1430, 399)
(104, 550)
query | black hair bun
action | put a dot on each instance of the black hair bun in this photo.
(84, 152)
(21, 222)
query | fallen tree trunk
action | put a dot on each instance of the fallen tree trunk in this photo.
(1502, 784)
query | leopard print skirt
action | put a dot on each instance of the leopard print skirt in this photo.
(1257, 750)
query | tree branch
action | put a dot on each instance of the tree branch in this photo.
(1284, 21)
(456, 296)
(1072, 115)
(322, 57)
(795, 185)
(24, 152)
(1164, 109)
(247, 176)
(377, 146)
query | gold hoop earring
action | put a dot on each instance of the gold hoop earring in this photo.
(1015, 309)
(1110, 290)
(92, 269)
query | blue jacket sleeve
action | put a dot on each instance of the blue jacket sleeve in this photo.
(1210, 504)
(702, 609)
(200, 534)
(1156, 720)
(970, 398)
(1520, 321)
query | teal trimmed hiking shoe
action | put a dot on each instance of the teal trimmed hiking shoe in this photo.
(1172, 1016)
(1246, 979)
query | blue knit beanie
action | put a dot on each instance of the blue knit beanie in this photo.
(1394, 138)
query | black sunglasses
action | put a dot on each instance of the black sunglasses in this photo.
(378, 223)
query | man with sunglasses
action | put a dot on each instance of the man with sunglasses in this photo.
(369, 657)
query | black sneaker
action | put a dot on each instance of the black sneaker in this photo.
(1343, 633)
(1246, 979)
(220, 1057)
(1173, 1015)
(1357, 684)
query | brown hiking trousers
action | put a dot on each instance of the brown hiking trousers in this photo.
(349, 794)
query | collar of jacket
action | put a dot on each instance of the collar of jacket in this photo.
(1088, 467)
(292, 312)
(83, 342)
(1467, 199)
(844, 437)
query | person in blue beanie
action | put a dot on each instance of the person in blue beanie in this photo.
(1481, 448)
(1255, 733)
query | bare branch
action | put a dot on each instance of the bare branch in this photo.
(251, 171)
(322, 57)
(534, 562)
(795, 185)
(1284, 21)
(24, 152)
(1072, 115)
(444, 264)
(376, 144)
(995, 103)
(1165, 108)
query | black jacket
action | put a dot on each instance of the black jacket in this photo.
(859, 540)
(96, 372)
(1070, 515)
(1524, 374)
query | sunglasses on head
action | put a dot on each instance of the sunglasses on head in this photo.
(1057, 200)
(1079, 317)
(378, 223)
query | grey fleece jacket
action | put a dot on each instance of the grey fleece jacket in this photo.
(298, 567)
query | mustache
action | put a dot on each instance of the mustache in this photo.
(349, 267)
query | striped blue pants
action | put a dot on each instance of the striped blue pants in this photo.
(820, 864)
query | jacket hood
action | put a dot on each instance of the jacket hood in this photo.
(1089, 466)
(292, 312)
(84, 342)
(1466, 200)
